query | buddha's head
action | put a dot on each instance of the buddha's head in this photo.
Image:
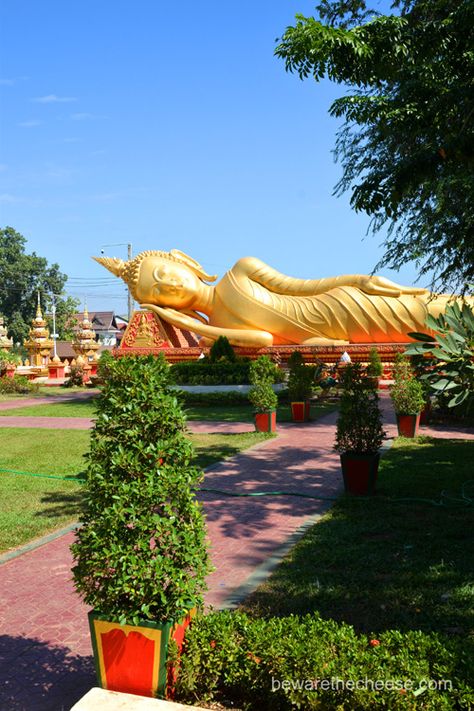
(170, 279)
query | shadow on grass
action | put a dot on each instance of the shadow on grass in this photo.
(36, 676)
(393, 561)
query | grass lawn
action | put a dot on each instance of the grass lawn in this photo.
(79, 408)
(227, 413)
(386, 563)
(33, 506)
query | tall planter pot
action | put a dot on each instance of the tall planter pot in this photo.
(133, 659)
(265, 421)
(300, 411)
(359, 472)
(408, 425)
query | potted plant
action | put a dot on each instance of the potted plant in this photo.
(408, 397)
(300, 387)
(140, 556)
(374, 368)
(263, 374)
(359, 432)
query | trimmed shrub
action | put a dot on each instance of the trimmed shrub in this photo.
(141, 553)
(18, 384)
(280, 663)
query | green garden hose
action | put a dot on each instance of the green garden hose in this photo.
(445, 499)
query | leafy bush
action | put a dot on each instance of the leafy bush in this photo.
(263, 370)
(202, 372)
(222, 350)
(263, 397)
(451, 352)
(141, 552)
(374, 367)
(231, 397)
(18, 384)
(263, 374)
(406, 392)
(359, 425)
(76, 376)
(301, 381)
(239, 661)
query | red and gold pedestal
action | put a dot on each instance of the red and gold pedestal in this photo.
(134, 659)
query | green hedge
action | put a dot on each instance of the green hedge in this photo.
(230, 397)
(239, 661)
(203, 372)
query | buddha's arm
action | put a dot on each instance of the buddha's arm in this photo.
(237, 337)
(271, 279)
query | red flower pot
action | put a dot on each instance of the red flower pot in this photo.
(359, 472)
(265, 421)
(300, 411)
(133, 659)
(408, 425)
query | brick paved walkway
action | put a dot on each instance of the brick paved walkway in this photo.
(44, 640)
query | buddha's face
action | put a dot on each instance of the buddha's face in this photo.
(166, 283)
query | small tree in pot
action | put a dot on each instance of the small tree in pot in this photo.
(141, 556)
(374, 367)
(408, 397)
(359, 433)
(263, 373)
(300, 387)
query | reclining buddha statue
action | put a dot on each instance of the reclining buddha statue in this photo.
(255, 305)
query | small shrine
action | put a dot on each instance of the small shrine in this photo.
(5, 342)
(39, 343)
(85, 346)
(147, 333)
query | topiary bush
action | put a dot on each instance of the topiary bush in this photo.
(359, 425)
(407, 392)
(282, 663)
(374, 367)
(76, 377)
(221, 350)
(18, 385)
(263, 373)
(141, 553)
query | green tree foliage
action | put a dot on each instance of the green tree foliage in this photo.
(450, 367)
(221, 350)
(141, 553)
(407, 141)
(22, 275)
(359, 425)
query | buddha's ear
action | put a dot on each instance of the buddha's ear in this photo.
(192, 264)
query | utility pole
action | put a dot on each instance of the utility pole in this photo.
(55, 335)
(130, 297)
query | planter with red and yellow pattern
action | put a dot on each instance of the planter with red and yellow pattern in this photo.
(265, 421)
(133, 658)
(300, 411)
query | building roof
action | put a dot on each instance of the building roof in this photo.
(100, 320)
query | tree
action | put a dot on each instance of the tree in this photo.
(21, 277)
(407, 141)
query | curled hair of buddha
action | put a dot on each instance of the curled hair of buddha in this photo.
(129, 271)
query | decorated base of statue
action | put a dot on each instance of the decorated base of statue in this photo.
(134, 658)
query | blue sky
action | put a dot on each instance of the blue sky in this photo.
(169, 125)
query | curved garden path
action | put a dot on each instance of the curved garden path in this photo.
(44, 638)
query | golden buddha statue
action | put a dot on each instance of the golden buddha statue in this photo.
(254, 305)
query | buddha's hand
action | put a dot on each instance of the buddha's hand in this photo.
(379, 286)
